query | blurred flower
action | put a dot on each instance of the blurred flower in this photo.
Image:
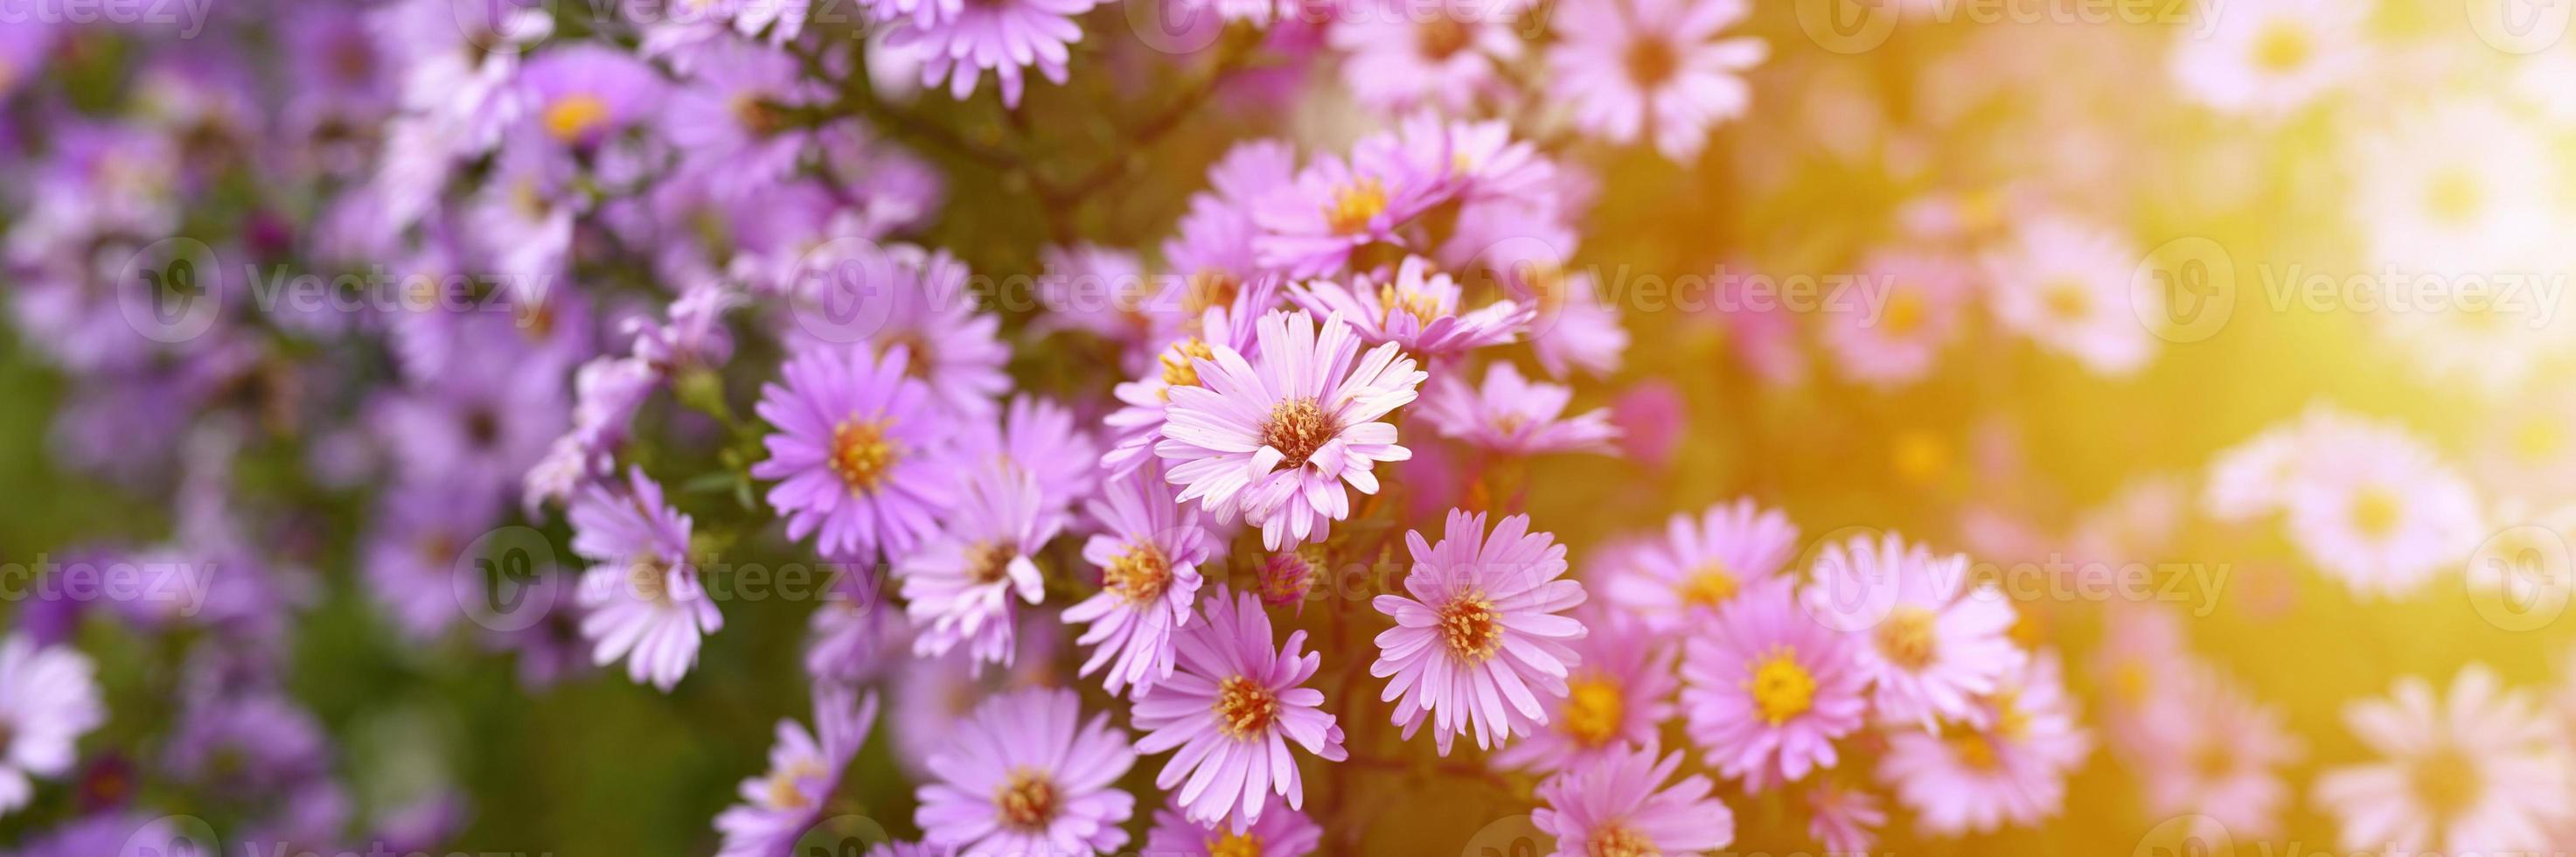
(1404, 56)
(643, 599)
(2065, 284)
(1943, 640)
(1510, 414)
(804, 770)
(52, 699)
(1965, 779)
(1618, 803)
(1281, 832)
(2479, 771)
(1897, 342)
(2217, 752)
(1002, 37)
(2271, 57)
(1629, 68)
(1019, 779)
(1619, 692)
(1701, 563)
(1844, 818)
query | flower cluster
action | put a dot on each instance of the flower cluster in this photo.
(1145, 451)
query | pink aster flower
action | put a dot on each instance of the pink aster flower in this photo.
(724, 122)
(1620, 692)
(1628, 68)
(2476, 771)
(2377, 508)
(1271, 443)
(1310, 226)
(1018, 777)
(1575, 328)
(51, 700)
(1003, 37)
(1281, 832)
(1843, 818)
(1417, 309)
(859, 452)
(1702, 563)
(1039, 436)
(2216, 751)
(957, 588)
(1148, 550)
(643, 601)
(1512, 415)
(1618, 804)
(2065, 284)
(1480, 643)
(1405, 56)
(1935, 644)
(804, 770)
(905, 296)
(1768, 689)
(1896, 342)
(2011, 771)
(1214, 239)
(1232, 711)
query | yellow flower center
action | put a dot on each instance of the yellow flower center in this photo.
(1594, 710)
(988, 563)
(1472, 627)
(1026, 801)
(1709, 586)
(1905, 639)
(2283, 47)
(2374, 512)
(1354, 205)
(1178, 370)
(1618, 841)
(1228, 844)
(2068, 300)
(1244, 709)
(573, 117)
(1391, 300)
(784, 789)
(2454, 197)
(1781, 688)
(862, 455)
(1905, 313)
(1297, 427)
(1208, 289)
(2445, 782)
(1140, 575)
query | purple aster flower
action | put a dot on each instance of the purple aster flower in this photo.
(1513, 415)
(1620, 693)
(915, 299)
(1148, 550)
(1002, 36)
(1617, 804)
(804, 770)
(254, 742)
(107, 832)
(1270, 443)
(605, 394)
(484, 419)
(724, 121)
(1019, 778)
(1628, 68)
(51, 700)
(1481, 643)
(421, 533)
(1574, 329)
(1281, 832)
(1232, 710)
(850, 637)
(958, 587)
(644, 600)
(1144, 403)
(1767, 689)
(457, 61)
(1038, 436)
(931, 695)
(859, 454)
(1702, 563)
(579, 95)
(1417, 309)
(694, 336)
